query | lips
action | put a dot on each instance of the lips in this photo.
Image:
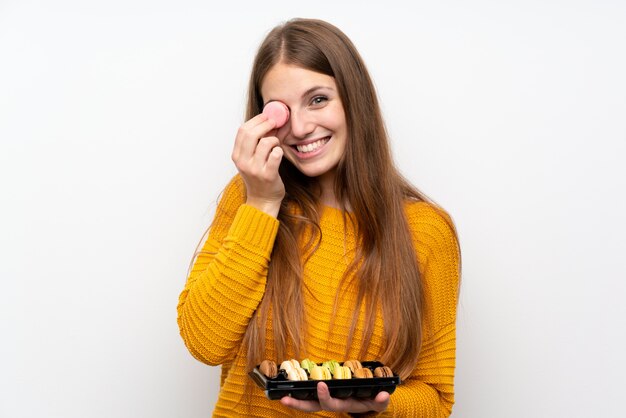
(311, 147)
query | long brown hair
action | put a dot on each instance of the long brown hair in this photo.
(367, 182)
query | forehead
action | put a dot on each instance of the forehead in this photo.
(287, 81)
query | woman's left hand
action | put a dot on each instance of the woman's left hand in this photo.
(326, 403)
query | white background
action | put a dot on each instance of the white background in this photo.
(116, 124)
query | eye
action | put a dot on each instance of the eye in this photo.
(318, 100)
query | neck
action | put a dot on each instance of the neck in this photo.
(326, 183)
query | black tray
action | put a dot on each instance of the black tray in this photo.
(339, 388)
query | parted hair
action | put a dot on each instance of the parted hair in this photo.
(373, 195)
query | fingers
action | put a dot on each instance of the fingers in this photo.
(304, 406)
(382, 401)
(254, 152)
(249, 134)
(274, 159)
(257, 155)
(266, 151)
(328, 403)
(264, 162)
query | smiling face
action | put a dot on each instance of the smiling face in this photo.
(314, 138)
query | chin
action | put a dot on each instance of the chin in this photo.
(312, 171)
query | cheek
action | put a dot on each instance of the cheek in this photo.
(282, 132)
(340, 121)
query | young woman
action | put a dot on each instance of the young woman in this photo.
(319, 248)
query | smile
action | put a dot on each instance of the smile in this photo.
(313, 146)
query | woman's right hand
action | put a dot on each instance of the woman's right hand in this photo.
(257, 157)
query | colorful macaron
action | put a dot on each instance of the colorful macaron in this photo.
(363, 373)
(353, 365)
(331, 369)
(278, 111)
(342, 372)
(320, 373)
(268, 368)
(331, 364)
(297, 373)
(383, 371)
(307, 365)
(289, 364)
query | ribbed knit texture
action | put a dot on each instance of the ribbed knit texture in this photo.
(227, 283)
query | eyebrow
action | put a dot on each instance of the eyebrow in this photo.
(307, 92)
(314, 88)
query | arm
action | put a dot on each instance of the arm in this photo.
(227, 280)
(429, 391)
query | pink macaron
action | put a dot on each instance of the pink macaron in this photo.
(277, 111)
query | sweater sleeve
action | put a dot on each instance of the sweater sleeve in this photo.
(429, 391)
(227, 281)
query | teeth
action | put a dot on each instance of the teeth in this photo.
(310, 147)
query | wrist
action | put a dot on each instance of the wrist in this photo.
(270, 207)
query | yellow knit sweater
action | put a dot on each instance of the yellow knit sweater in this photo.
(227, 283)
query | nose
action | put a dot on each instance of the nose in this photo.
(301, 123)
